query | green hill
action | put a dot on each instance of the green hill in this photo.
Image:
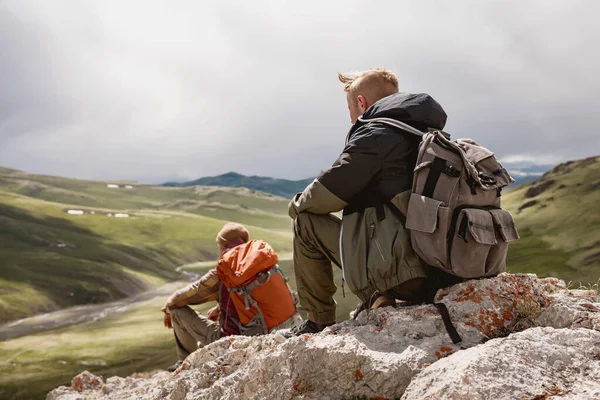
(279, 187)
(50, 259)
(239, 204)
(559, 222)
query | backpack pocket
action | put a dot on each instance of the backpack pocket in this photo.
(428, 220)
(473, 238)
(479, 242)
(506, 232)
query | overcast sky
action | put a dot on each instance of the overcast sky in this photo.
(161, 90)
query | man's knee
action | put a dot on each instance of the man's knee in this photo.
(179, 314)
(305, 224)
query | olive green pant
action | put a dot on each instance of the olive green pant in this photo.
(192, 330)
(316, 250)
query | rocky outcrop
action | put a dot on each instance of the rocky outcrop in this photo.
(523, 338)
(538, 363)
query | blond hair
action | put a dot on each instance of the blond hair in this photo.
(373, 84)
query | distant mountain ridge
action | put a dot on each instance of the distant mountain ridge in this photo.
(523, 172)
(288, 188)
(278, 187)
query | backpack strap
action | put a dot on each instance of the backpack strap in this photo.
(437, 168)
(395, 123)
(396, 211)
(450, 328)
(246, 291)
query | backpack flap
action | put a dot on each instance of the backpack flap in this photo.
(422, 213)
(471, 242)
(505, 224)
(240, 265)
(484, 170)
(428, 220)
(479, 224)
(487, 170)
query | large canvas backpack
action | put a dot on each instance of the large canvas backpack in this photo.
(454, 212)
(456, 223)
(256, 287)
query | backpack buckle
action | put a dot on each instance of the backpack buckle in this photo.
(451, 171)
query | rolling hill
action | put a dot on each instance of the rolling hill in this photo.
(51, 259)
(559, 222)
(278, 187)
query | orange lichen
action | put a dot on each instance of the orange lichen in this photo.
(444, 352)
(468, 294)
(442, 295)
(86, 381)
(297, 385)
(541, 397)
(555, 390)
(358, 375)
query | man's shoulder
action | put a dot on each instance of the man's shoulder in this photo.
(370, 133)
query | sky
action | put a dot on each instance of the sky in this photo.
(175, 90)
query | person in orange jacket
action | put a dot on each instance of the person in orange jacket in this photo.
(193, 330)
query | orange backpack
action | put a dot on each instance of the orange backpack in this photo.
(257, 287)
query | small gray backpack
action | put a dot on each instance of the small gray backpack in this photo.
(454, 212)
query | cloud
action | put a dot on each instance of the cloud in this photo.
(152, 90)
(531, 159)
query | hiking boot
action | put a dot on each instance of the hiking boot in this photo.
(381, 301)
(306, 327)
(174, 367)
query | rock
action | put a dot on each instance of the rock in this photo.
(86, 381)
(525, 365)
(390, 352)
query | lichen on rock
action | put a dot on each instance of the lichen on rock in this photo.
(516, 332)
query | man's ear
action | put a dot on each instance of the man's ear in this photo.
(362, 102)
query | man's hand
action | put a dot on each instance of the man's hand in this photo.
(167, 318)
(214, 313)
(167, 321)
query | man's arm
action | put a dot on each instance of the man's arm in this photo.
(349, 175)
(203, 290)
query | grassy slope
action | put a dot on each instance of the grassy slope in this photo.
(560, 232)
(30, 366)
(107, 258)
(239, 204)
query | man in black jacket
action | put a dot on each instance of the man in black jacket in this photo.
(371, 182)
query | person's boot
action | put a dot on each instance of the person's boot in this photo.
(306, 327)
(174, 367)
(383, 300)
